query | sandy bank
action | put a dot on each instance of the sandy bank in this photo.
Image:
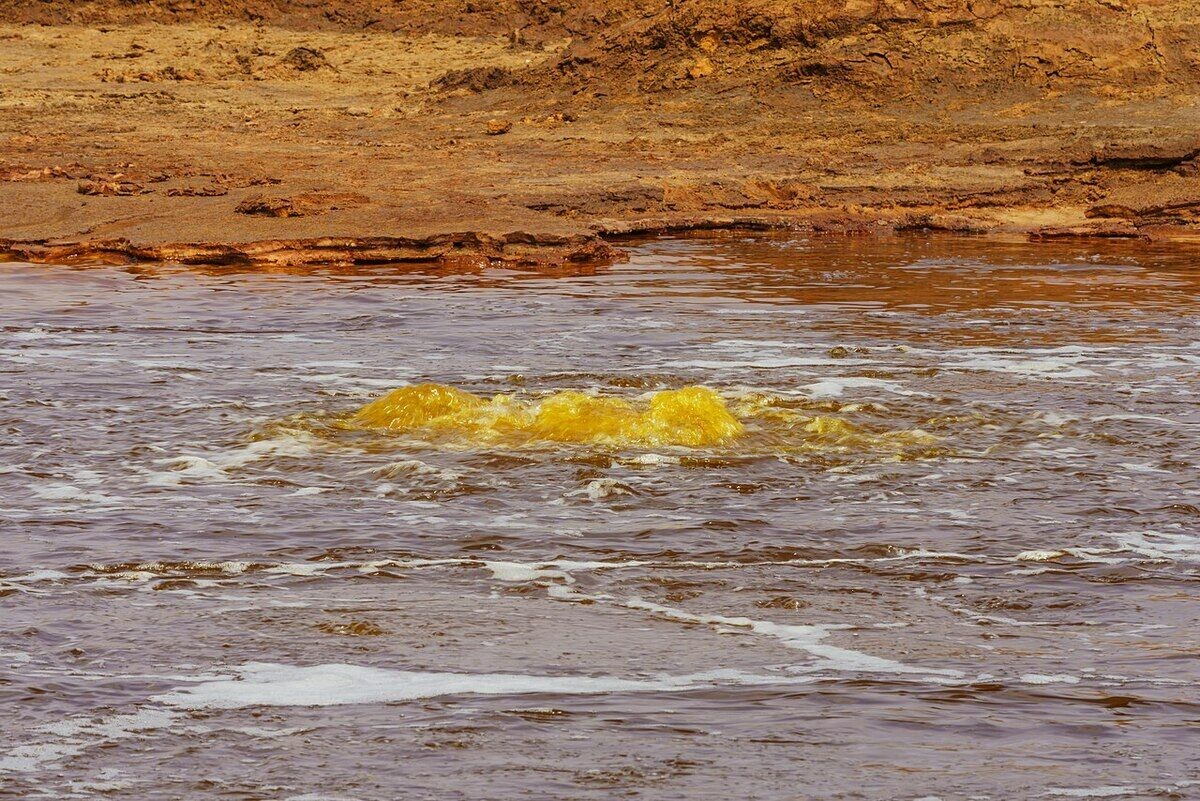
(267, 133)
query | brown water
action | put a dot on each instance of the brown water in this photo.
(976, 578)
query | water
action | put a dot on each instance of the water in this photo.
(211, 586)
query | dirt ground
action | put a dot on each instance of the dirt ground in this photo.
(527, 131)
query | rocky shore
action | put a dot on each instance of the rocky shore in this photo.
(540, 133)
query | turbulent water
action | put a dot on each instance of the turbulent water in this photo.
(741, 518)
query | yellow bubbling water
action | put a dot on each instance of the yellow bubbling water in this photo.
(691, 417)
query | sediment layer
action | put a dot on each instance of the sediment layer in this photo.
(521, 133)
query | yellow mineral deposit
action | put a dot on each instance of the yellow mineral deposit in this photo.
(693, 417)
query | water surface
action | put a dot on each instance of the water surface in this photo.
(989, 590)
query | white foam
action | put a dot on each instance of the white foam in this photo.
(79, 734)
(1150, 418)
(115, 727)
(1136, 467)
(572, 565)
(836, 387)
(35, 576)
(68, 492)
(181, 467)
(340, 365)
(303, 491)
(804, 638)
(25, 758)
(1159, 544)
(601, 488)
(650, 460)
(264, 684)
(30, 335)
(759, 345)
(502, 570)
(1107, 791)
(356, 382)
(1053, 678)
(215, 466)
(516, 571)
(106, 781)
(1039, 556)
(1042, 363)
(411, 467)
(1018, 364)
(260, 731)
(761, 363)
(305, 568)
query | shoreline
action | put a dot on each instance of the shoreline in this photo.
(216, 140)
(475, 250)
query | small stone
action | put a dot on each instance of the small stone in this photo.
(305, 59)
(114, 187)
(269, 207)
(702, 68)
(498, 127)
(197, 191)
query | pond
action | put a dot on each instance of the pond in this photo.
(925, 515)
